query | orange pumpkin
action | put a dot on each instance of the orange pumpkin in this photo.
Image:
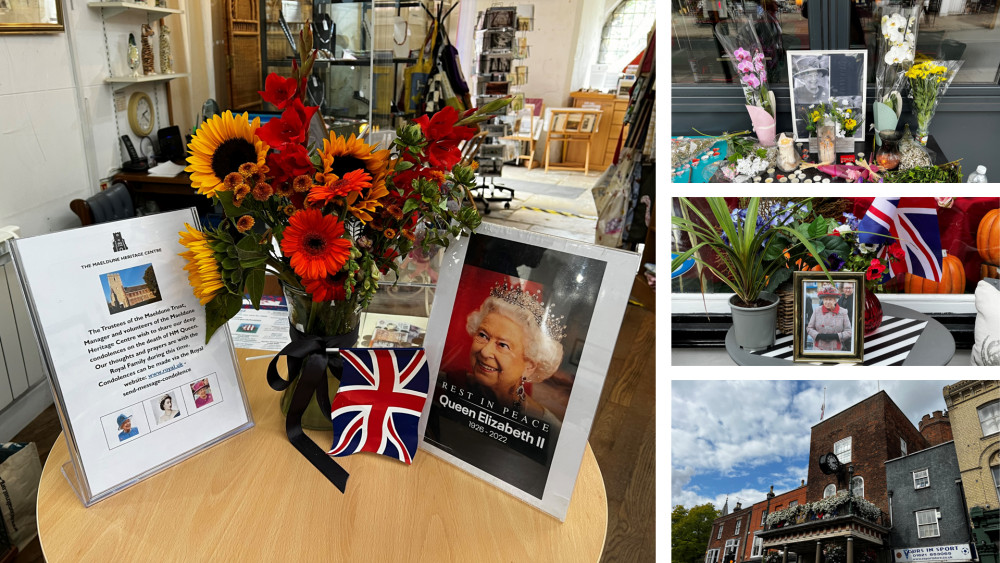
(952, 279)
(988, 237)
(987, 271)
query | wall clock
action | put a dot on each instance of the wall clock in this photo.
(141, 114)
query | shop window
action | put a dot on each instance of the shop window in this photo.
(927, 524)
(736, 532)
(697, 56)
(921, 479)
(989, 417)
(842, 449)
(758, 545)
(830, 490)
(858, 487)
(624, 34)
(713, 555)
(902, 446)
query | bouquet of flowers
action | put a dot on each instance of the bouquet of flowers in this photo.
(815, 115)
(928, 82)
(897, 40)
(847, 120)
(328, 221)
(873, 260)
(745, 52)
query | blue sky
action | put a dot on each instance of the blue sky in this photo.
(738, 438)
(130, 277)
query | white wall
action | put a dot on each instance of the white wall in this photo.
(58, 126)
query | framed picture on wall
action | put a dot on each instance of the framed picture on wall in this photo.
(819, 77)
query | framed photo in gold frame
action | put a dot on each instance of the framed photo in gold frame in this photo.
(829, 317)
(31, 16)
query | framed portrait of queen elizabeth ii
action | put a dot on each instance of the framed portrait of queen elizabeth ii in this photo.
(520, 338)
(823, 77)
(829, 317)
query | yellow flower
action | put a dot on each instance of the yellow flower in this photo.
(847, 112)
(220, 146)
(850, 124)
(203, 270)
(342, 155)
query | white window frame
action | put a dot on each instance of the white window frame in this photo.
(840, 444)
(793, 503)
(827, 492)
(995, 420)
(758, 546)
(763, 517)
(736, 551)
(712, 556)
(926, 475)
(739, 523)
(932, 512)
(721, 526)
(861, 480)
(902, 445)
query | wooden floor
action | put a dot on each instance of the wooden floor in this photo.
(623, 438)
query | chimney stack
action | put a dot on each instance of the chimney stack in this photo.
(738, 504)
(803, 483)
(770, 495)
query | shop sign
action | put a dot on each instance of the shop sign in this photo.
(960, 552)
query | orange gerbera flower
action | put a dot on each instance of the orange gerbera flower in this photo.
(314, 242)
(352, 182)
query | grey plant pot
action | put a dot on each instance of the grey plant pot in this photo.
(754, 327)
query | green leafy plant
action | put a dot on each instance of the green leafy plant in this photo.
(948, 173)
(744, 245)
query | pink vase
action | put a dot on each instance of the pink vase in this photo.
(763, 125)
(873, 312)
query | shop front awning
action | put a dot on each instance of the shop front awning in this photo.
(810, 532)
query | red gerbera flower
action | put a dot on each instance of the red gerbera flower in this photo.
(353, 181)
(314, 242)
(329, 288)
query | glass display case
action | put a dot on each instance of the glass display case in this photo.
(362, 49)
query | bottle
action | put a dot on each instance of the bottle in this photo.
(979, 176)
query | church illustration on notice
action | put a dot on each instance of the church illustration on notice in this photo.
(126, 297)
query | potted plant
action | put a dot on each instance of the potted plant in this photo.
(741, 241)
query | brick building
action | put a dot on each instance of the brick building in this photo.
(759, 512)
(728, 535)
(936, 428)
(974, 409)
(863, 437)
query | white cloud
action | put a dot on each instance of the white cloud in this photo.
(729, 428)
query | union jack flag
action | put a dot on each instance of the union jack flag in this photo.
(913, 220)
(377, 407)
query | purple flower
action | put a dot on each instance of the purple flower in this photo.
(834, 262)
(741, 54)
(751, 80)
(745, 66)
(758, 57)
(759, 66)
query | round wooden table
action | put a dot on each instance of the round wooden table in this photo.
(255, 498)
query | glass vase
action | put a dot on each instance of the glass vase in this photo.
(873, 312)
(338, 323)
(888, 155)
(826, 135)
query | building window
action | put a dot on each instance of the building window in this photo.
(902, 446)
(624, 33)
(989, 417)
(719, 536)
(927, 524)
(763, 517)
(736, 532)
(842, 449)
(732, 548)
(793, 503)
(713, 555)
(921, 479)
(758, 545)
(996, 478)
(830, 490)
(858, 487)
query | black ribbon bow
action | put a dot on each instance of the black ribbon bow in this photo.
(306, 355)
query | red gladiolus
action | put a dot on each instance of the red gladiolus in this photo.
(291, 162)
(291, 129)
(278, 90)
(443, 137)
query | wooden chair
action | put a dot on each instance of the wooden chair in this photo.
(528, 137)
(571, 125)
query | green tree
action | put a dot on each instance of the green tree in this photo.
(690, 532)
(150, 278)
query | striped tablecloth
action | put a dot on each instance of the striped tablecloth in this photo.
(887, 346)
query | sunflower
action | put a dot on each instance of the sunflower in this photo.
(220, 146)
(341, 156)
(314, 242)
(203, 270)
(362, 209)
